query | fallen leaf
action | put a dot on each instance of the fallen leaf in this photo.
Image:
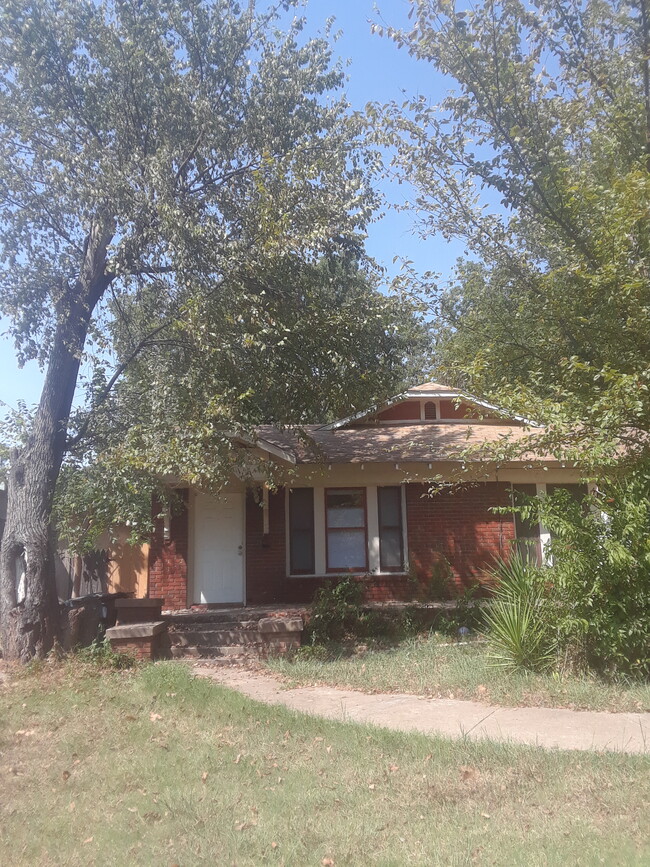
(71, 806)
(244, 826)
(66, 775)
(468, 773)
(327, 862)
(393, 767)
(204, 776)
(154, 717)
(274, 845)
(238, 759)
(485, 815)
(88, 840)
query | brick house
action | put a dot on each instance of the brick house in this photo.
(358, 496)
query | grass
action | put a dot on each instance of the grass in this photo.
(153, 767)
(430, 666)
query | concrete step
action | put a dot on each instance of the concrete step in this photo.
(236, 639)
(213, 637)
(231, 654)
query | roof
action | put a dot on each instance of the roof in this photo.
(394, 443)
(433, 388)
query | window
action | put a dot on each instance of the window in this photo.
(430, 412)
(391, 552)
(345, 523)
(301, 524)
(528, 542)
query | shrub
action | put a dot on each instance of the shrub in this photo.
(600, 579)
(519, 621)
(101, 654)
(335, 611)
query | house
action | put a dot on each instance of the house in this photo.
(360, 496)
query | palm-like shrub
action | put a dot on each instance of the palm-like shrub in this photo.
(518, 621)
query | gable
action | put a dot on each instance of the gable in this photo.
(430, 402)
(425, 410)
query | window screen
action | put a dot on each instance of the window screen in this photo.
(301, 531)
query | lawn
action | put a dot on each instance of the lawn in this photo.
(153, 767)
(430, 666)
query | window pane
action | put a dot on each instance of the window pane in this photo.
(345, 508)
(301, 507)
(346, 549)
(390, 528)
(302, 551)
(301, 528)
(390, 547)
(390, 507)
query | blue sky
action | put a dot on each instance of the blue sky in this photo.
(378, 71)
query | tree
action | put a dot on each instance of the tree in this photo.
(155, 149)
(303, 343)
(539, 162)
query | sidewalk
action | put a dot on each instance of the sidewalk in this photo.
(537, 726)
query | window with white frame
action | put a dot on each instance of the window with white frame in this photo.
(346, 529)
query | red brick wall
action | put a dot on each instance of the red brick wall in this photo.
(265, 554)
(168, 559)
(409, 410)
(138, 648)
(459, 528)
(453, 527)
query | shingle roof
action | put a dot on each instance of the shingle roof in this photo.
(388, 443)
(435, 387)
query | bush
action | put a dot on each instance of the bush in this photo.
(101, 654)
(335, 612)
(519, 622)
(598, 589)
(601, 574)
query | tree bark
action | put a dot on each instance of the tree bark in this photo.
(29, 608)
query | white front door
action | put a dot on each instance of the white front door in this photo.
(219, 549)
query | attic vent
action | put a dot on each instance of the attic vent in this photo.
(430, 410)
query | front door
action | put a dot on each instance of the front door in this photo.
(219, 549)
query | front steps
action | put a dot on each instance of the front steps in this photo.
(232, 636)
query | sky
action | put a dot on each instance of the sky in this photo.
(378, 71)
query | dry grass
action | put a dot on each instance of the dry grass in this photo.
(153, 767)
(430, 666)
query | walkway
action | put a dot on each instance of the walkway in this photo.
(538, 726)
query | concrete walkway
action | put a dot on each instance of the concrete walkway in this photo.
(538, 726)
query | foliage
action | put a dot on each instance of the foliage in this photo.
(599, 584)
(170, 171)
(517, 621)
(100, 654)
(305, 343)
(538, 164)
(335, 611)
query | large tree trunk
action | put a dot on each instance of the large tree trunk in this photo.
(29, 607)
